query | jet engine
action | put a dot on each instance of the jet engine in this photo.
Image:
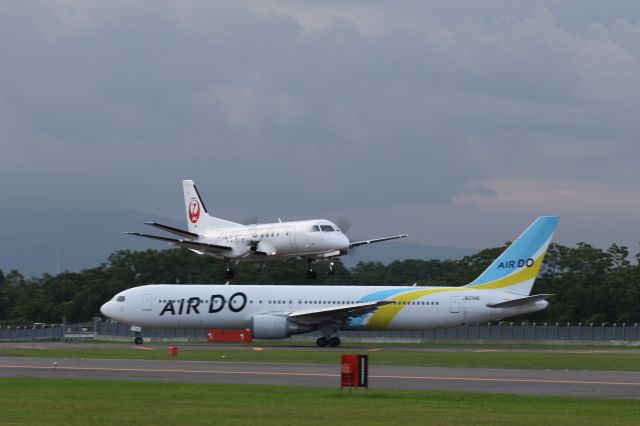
(275, 327)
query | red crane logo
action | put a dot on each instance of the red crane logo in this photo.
(194, 211)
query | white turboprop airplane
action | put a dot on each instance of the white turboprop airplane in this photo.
(310, 239)
(274, 311)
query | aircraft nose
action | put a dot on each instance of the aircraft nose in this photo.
(107, 309)
(344, 242)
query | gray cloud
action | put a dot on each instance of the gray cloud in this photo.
(308, 109)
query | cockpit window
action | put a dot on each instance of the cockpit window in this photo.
(120, 299)
(314, 228)
(327, 228)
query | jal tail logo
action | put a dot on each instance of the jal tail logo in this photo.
(194, 211)
(511, 264)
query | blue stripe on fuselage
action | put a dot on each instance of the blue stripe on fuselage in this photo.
(355, 323)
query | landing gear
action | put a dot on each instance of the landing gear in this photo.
(138, 340)
(311, 274)
(228, 272)
(332, 270)
(328, 341)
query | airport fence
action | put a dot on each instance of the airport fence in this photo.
(502, 331)
(507, 332)
(31, 332)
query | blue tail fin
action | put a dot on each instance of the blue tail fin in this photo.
(516, 268)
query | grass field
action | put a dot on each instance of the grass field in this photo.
(481, 359)
(75, 402)
(382, 344)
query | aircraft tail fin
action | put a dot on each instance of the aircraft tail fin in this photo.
(198, 219)
(516, 269)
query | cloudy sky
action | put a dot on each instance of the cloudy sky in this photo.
(457, 122)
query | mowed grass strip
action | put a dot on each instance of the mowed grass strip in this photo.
(510, 360)
(79, 402)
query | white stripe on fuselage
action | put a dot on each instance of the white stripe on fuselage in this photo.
(233, 306)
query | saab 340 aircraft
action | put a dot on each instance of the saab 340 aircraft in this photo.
(310, 239)
(275, 311)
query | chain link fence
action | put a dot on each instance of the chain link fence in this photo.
(507, 332)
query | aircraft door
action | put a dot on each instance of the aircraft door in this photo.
(146, 302)
(292, 239)
(454, 304)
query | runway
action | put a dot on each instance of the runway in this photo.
(312, 348)
(603, 384)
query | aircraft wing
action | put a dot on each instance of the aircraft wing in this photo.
(338, 314)
(375, 240)
(195, 245)
(521, 301)
(178, 232)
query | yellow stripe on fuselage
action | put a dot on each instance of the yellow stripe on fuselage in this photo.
(381, 318)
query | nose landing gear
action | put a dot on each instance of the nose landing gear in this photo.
(311, 274)
(332, 270)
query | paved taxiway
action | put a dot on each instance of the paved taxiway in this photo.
(605, 384)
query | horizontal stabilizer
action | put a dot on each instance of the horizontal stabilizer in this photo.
(184, 243)
(375, 240)
(176, 231)
(521, 301)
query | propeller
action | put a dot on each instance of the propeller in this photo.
(344, 224)
(251, 220)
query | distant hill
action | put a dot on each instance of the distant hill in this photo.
(33, 239)
(387, 252)
(30, 238)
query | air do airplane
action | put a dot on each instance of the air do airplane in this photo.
(275, 312)
(225, 240)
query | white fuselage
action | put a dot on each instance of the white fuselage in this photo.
(283, 239)
(234, 306)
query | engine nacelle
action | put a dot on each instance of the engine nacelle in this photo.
(275, 327)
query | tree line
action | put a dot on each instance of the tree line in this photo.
(589, 284)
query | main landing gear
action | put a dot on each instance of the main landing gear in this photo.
(311, 274)
(138, 340)
(328, 341)
(228, 271)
